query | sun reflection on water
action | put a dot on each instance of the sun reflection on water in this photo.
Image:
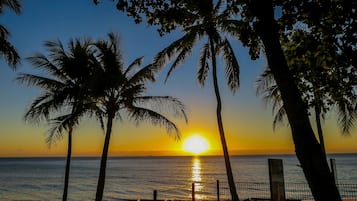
(197, 178)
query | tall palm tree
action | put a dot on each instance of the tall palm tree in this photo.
(121, 91)
(7, 50)
(207, 21)
(64, 90)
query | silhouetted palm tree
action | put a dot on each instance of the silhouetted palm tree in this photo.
(121, 91)
(7, 50)
(270, 92)
(317, 74)
(208, 22)
(319, 100)
(64, 90)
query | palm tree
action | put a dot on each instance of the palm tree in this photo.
(316, 95)
(121, 90)
(7, 50)
(270, 92)
(64, 88)
(207, 21)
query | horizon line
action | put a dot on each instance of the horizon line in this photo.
(182, 155)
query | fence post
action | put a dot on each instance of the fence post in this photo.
(155, 195)
(217, 190)
(276, 179)
(193, 191)
(333, 169)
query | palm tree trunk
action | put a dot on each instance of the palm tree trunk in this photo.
(319, 130)
(103, 161)
(68, 165)
(307, 148)
(232, 186)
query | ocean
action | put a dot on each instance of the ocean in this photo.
(137, 177)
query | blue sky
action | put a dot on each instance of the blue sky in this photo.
(248, 121)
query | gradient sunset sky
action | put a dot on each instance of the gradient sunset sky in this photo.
(247, 120)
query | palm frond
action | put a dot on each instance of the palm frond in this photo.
(181, 57)
(38, 112)
(136, 63)
(273, 95)
(279, 117)
(139, 115)
(4, 33)
(267, 88)
(203, 66)
(144, 74)
(41, 62)
(130, 91)
(217, 6)
(232, 66)
(8, 51)
(347, 115)
(112, 51)
(174, 48)
(38, 81)
(163, 104)
(264, 81)
(60, 124)
(14, 5)
(233, 27)
(44, 105)
(57, 52)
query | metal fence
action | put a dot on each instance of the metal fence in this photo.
(246, 190)
(293, 191)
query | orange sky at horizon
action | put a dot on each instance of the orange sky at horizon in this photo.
(147, 140)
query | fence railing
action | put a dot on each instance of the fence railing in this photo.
(293, 191)
(246, 190)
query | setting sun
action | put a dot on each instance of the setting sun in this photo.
(195, 144)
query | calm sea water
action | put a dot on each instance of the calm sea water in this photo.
(137, 177)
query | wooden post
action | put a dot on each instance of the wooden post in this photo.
(276, 178)
(155, 195)
(333, 169)
(217, 190)
(193, 191)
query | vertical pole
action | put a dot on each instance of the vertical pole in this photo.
(193, 191)
(217, 190)
(333, 169)
(276, 178)
(155, 195)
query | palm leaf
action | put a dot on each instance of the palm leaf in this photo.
(41, 62)
(166, 104)
(4, 33)
(12, 4)
(279, 117)
(232, 66)
(39, 81)
(8, 51)
(58, 125)
(136, 63)
(144, 74)
(139, 115)
(267, 88)
(347, 114)
(203, 66)
(174, 48)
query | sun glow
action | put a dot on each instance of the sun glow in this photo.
(195, 144)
